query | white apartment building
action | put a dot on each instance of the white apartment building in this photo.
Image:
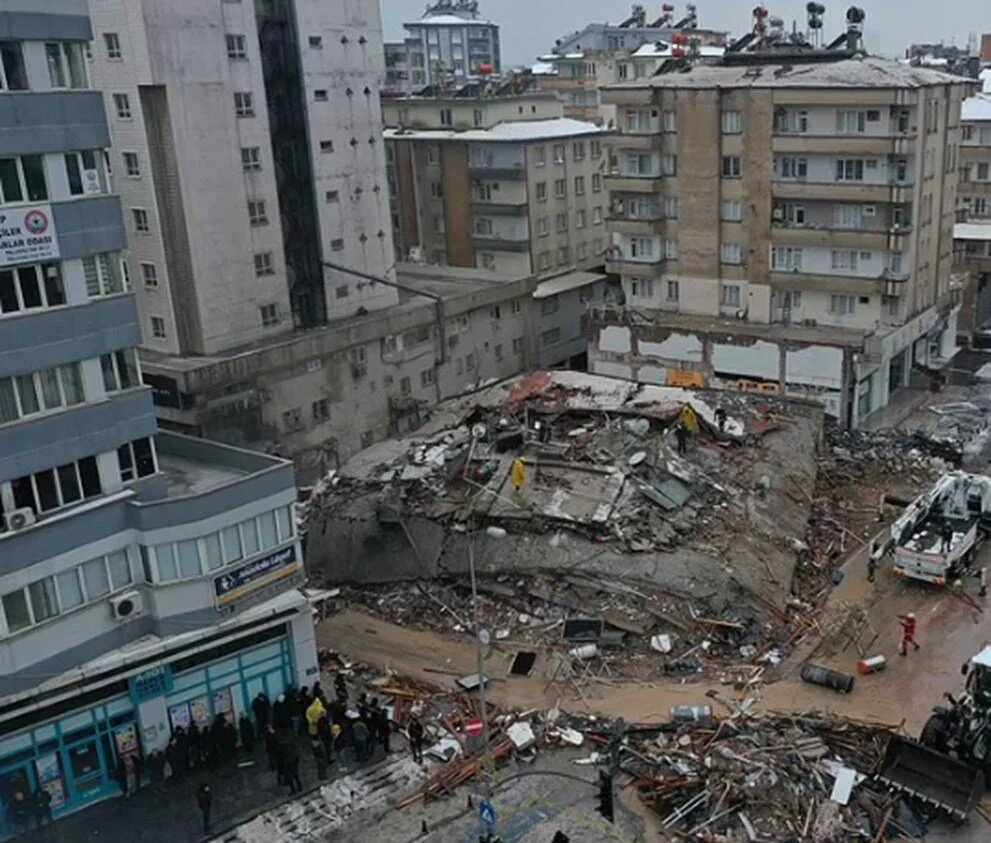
(246, 149)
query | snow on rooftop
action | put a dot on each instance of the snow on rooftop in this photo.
(972, 231)
(869, 72)
(662, 50)
(543, 68)
(985, 77)
(448, 20)
(521, 130)
(977, 107)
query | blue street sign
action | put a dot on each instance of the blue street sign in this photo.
(486, 813)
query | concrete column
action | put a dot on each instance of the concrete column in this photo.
(782, 366)
(74, 281)
(153, 719)
(304, 644)
(109, 468)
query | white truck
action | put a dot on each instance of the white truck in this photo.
(934, 539)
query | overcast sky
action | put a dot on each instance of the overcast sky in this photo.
(529, 27)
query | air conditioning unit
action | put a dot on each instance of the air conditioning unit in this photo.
(91, 181)
(869, 211)
(128, 605)
(19, 519)
(778, 213)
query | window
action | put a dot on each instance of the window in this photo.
(842, 305)
(789, 167)
(66, 64)
(851, 122)
(12, 73)
(320, 95)
(673, 291)
(326, 146)
(640, 164)
(671, 249)
(551, 337)
(320, 410)
(446, 117)
(559, 153)
(158, 327)
(136, 459)
(264, 264)
(55, 488)
(562, 223)
(101, 277)
(578, 150)
(120, 370)
(596, 182)
(560, 188)
(477, 116)
(341, 291)
(643, 288)
(132, 166)
(844, 260)
(40, 392)
(112, 43)
(251, 158)
(437, 190)
(404, 386)
(669, 165)
(269, 315)
(595, 149)
(581, 251)
(794, 214)
(428, 377)
(668, 121)
(122, 105)
(316, 42)
(597, 215)
(729, 295)
(244, 104)
(541, 191)
(332, 196)
(543, 226)
(791, 122)
(580, 218)
(732, 123)
(549, 305)
(433, 153)
(337, 245)
(983, 170)
(22, 180)
(579, 185)
(641, 248)
(517, 345)
(786, 259)
(237, 47)
(483, 227)
(562, 256)
(539, 156)
(257, 214)
(732, 210)
(83, 173)
(31, 286)
(731, 253)
(847, 216)
(517, 306)
(141, 223)
(849, 169)
(731, 166)
(544, 260)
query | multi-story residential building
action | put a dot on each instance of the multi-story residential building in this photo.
(787, 225)
(246, 146)
(499, 183)
(973, 230)
(147, 580)
(446, 47)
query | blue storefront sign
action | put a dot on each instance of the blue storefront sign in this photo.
(151, 684)
(233, 586)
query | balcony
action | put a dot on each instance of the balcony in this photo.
(844, 144)
(974, 188)
(485, 172)
(638, 141)
(499, 243)
(652, 268)
(634, 184)
(843, 191)
(833, 284)
(499, 209)
(642, 225)
(892, 240)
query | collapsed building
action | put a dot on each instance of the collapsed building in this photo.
(568, 472)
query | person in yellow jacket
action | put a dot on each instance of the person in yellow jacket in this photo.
(315, 711)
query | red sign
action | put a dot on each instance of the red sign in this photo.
(473, 727)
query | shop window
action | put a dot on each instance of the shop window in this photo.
(284, 517)
(231, 540)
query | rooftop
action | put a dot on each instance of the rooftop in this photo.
(448, 20)
(868, 72)
(972, 231)
(567, 281)
(977, 107)
(515, 131)
(192, 466)
(450, 282)
(662, 49)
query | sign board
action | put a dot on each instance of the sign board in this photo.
(474, 727)
(486, 813)
(152, 683)
(232, 587)
(27, 235)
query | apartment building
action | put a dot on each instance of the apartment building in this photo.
(147, 580)
(973, 230)
(785, 226)
(321, 396)
(246, 149)
(446, 46)
(496, 183)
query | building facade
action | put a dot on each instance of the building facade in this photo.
(496, 183)
(147, 580)
(446, 47)
(784, 231)
(246, 146)
(973, 230)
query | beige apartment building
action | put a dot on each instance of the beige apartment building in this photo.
(973, 230)
(784, 227)
(499, 183)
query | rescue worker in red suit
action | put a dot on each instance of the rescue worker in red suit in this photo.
(908, 632)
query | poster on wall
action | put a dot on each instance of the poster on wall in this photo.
(50, 778)
(179, 716)
(222, 703)
(27, 235)
(126, 739)
(200, 711)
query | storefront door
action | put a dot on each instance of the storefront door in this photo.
(88, 778)
(14, 779)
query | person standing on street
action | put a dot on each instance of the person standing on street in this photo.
(42, 807)
(908, 632)
(290, 763)
(204, 798)
(262, 710)
(416, 739)
(384, 727)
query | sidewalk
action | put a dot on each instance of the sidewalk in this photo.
(239, 793)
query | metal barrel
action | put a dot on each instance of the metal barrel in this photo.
(818, 675)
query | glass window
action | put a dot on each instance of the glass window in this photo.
(95, 578)
(144, 459)
(47, 492)
(13, 66)
(249, 536)
(231, 539)
(54, 288)
(189, 559)
(167, 569)
(90, 476)
(34, 177)
(44, 602)
(126, 463)
(269, 533)
(56, 69)
(70, 592)
(72, 384)
(15, 608)
(285, 523)
(74, 174)
(69, 483)
(10, 182)
(30, 288)
(214, 558)
(120, 569)
(50, 395)
(29, 394)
